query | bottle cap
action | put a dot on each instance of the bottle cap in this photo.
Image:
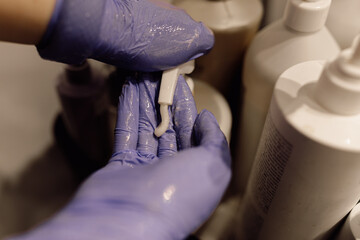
(306, 15)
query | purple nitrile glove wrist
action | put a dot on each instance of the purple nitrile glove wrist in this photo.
(144, 35)
(153, 188)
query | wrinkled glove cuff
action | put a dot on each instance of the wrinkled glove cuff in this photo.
(72, 31)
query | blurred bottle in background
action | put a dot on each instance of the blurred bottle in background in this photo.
(86, 130)
(234, 23)
(343, 20)
(300, 36)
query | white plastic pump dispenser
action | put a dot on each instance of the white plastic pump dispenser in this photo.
(234, 23)
(300, 36)
(205, 96)
(167, 89)
(342, 79)
(305, 178)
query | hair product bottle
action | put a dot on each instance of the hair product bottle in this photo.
(234, 23)
(300, 36)
(343, 20)
(305, 178)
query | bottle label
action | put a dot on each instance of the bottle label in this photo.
(272, 156)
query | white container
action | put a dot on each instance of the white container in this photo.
(234, 23)
(300, 36)
(344, 21)
(305, 178)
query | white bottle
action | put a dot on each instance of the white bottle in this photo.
(234, 23)
(300, 36)
(344, 21)
(305, 178)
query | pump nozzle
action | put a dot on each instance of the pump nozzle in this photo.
(349, 60)
(355, 58)
(338, 88)
(167, 89)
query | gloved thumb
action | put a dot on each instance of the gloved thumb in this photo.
(208, 136)
(207, 133)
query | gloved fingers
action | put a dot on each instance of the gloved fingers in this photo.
(167, 141)
(173, 38)
(184, 114)
(148, 115)
(132, 158)
(150, 36)
(139, 35)
(208, 135)
(126, 130)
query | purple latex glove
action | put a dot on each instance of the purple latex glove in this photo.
(144, 35)
(153, 188)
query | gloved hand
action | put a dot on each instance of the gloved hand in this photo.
(152, 188)
(144, 35)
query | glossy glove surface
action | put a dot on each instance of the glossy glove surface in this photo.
(144, 35)
(153, 188)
